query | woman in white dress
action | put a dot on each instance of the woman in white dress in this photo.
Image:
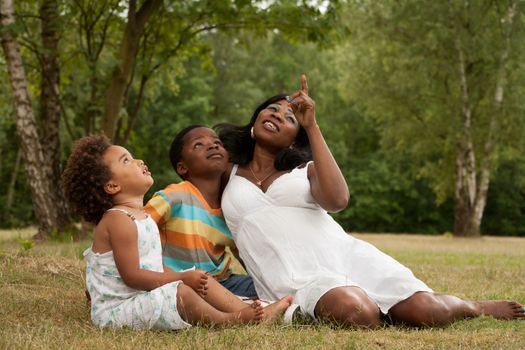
(276, 204)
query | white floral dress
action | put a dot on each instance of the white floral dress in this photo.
(114, 304)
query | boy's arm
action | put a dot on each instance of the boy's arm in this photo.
(158, 208)
(235, 253)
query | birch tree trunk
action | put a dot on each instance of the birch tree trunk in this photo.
(126, 55)
(470, 198)
(36, 167)
(465, 185)
(497, 102)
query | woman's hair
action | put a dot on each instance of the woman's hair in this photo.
(178, 143)
(240, 145)
(85, 176)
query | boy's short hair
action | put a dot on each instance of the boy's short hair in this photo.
(178, 144)
(85, 176)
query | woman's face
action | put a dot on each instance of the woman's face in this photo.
(276, 126)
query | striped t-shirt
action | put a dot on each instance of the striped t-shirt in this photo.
(192, 233)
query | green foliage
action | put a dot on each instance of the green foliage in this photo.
(21, 211)
(170, 112)
(383, 75)
(387, 197)
(403, 69)
(506, 205)
(401, 66)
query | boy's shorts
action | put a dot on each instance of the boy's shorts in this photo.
(241, 285)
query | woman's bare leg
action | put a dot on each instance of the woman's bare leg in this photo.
(431, 309)
(195, 310)
(348, 306)
(224, 300)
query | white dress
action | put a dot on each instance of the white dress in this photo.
(290, 245)
(114, 304)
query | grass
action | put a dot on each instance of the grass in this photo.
(10, 235)
(42, 302)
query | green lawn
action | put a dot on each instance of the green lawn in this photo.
(42, 302)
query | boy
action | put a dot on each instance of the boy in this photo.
(192, 228)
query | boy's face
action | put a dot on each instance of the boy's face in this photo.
(127, 174)
(203, 155)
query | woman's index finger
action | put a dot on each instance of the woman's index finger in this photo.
(304, 84)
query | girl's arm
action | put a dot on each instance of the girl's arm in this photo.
(123, 239)
(327, 183)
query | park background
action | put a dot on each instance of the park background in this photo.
(420, 101)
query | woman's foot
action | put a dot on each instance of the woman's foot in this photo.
(501, 309)
(251, 313)
(274, 311)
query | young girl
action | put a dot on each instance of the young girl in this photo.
(125, 276)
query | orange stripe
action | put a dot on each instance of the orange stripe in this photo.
(154, 214)
(190, 242)
(186, 187)
(183, 187)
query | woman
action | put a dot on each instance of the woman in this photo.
(275, 205)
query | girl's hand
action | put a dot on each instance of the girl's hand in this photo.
(303, 106)
(197, 280)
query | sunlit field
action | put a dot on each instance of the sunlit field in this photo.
(42, 303)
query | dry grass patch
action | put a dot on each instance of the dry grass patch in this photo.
(42, 304)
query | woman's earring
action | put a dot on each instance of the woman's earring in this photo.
(252, 134)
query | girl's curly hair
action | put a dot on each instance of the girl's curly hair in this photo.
(85, 176)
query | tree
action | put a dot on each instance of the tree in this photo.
(155, 35)
(39, 170)
(50, 103)
(134, 29)
(77, 70)
(437, 78)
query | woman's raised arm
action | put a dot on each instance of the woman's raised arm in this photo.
(328, 185)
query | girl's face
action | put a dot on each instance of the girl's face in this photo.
(129, 174)
(276, 126)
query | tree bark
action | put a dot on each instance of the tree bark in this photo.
(50, 109)
(12, 182)
(470, 197)
(36, 167)
(135, 112)
(126, 58)
(497, 102)
(465, 185)
(93, 29)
